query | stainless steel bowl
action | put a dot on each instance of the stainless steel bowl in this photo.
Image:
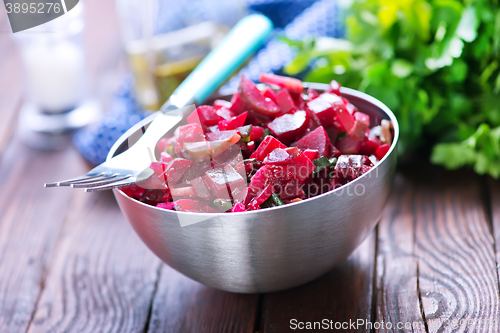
(270, 249)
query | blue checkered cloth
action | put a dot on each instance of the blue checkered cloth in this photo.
(293, 18)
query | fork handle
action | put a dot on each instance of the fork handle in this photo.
(241, 42)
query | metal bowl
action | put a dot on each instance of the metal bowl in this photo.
(275, 248)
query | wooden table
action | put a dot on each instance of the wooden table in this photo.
(70, 262)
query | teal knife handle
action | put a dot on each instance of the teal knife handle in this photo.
(242, 41)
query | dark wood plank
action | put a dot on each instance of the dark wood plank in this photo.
(455, 251)
(396, 288)
(343, 295)
(436, 260)
(183, 305)
(31, 218)
(493, 195)
(102, 277)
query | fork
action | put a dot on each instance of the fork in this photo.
(132, 166)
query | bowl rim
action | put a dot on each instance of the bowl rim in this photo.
(313, 85)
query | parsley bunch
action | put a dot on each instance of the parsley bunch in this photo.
(436, 64)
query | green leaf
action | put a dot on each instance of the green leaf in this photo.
(452, 155)
(496, 34)
(467, 28)
(298, 64)
(401, 68)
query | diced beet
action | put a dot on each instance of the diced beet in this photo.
(323, 109)
(183, 192)
(311, 154)
(201, 188)
(269, 174)
(298, 100)
(205, 115)
(225, 113)
(314, 121)
(217, 183)
(188, 133)
(212, 129)
(333, 133)
(220, 103)
(165, 157)
(278, 156)
(242, 195)
(369, 145)
(291, 190)
(381, 151)
(269, 93)
(301, 167)
(254, 118)
(334, 87)
(311, 190)
(267, 145)
(261, 197)
(199, 151)
(312, 94)
(344, 119)
(349, 167)
(289, 127)
(250, 147)
(361, 124)
(233, 123)
(351, 108)
(237, 104)
(285, 101)
(133, 191)
(157, 167)
(166, 205)
(348, 145)
(317, 139)
(334, 152)
(153, 196)
(162, 144)
(256, 132)
(233, 178)
(232, 153)
(196, 170)
(222, 135)
(175, 170)
(293, 151)
(221, 181)
(253, 99)
(293, 85)
(190, 205)
(239, 207)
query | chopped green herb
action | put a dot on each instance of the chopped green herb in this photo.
(245, 133)
(266, 133)
(273, 201)
(321, 164)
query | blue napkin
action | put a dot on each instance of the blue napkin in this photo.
(293, 18)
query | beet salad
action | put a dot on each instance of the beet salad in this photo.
(266, 147)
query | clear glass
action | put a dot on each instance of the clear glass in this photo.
(165, 40)
(54, 62)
